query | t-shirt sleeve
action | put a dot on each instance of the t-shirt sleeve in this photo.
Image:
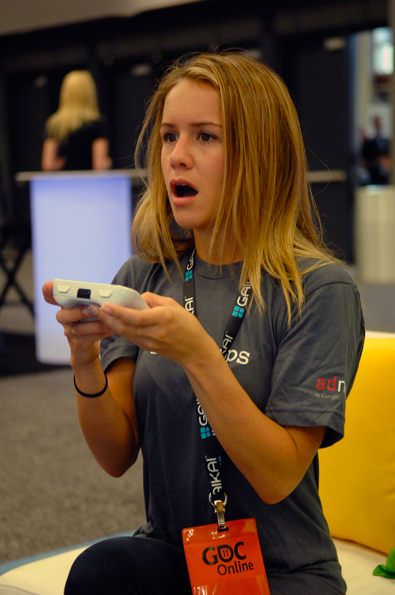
(114, 348)
(99, 128)
(317, 360)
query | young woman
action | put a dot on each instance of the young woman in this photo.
(76, 135)
(224, 231)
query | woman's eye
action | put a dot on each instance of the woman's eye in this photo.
(206, 137)
(169, 137)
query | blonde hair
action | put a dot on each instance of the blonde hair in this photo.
(77, 104)
(266, 201)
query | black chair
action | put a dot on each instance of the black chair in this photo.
(15, 242)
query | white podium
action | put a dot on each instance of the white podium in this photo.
(81, 224)
(375, 234)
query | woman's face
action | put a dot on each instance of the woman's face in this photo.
(192, 154)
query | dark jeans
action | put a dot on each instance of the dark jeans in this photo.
(147, 566)
(129, 566)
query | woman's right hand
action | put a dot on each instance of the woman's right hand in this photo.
(109, 422)
(82, 335)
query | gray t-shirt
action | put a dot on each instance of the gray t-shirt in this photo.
(298, 375)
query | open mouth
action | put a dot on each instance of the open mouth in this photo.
(181, 190)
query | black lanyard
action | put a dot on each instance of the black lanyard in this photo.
(210, 446)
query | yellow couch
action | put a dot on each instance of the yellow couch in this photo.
(357, 475)
(357, 487)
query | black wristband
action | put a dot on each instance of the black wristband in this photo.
(91, 395)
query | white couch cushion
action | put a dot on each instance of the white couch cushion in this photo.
(46, 576)
(358, 563)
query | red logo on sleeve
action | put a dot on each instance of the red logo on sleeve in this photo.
(331, 385)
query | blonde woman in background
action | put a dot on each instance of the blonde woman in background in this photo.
(76, 135)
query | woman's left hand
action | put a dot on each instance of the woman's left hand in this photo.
(165, 328)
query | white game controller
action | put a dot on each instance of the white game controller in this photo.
(77, 293)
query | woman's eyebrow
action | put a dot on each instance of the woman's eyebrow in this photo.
(192, 124)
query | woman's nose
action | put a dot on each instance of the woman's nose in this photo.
(181, 154)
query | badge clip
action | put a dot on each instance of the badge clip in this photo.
(219, 508)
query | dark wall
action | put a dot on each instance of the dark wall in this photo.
(131, 89)
(126, 57)
(320, 80)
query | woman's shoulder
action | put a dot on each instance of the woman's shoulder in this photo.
(318, 274)
(139, 273)
(133, 269)
(96, 128)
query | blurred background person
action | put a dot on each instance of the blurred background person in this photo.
(375, 155)
(76, 135)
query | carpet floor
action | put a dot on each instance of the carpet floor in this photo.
(53, 494)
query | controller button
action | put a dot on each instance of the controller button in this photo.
(63, 288)
(105, 293)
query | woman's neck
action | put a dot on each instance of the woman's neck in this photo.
(230, 253)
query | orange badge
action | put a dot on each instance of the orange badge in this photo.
(225, 562)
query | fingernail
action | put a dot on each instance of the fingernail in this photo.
(106, 309)
(91, 310)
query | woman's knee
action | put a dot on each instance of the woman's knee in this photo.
(98, 569)
(129, 566)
